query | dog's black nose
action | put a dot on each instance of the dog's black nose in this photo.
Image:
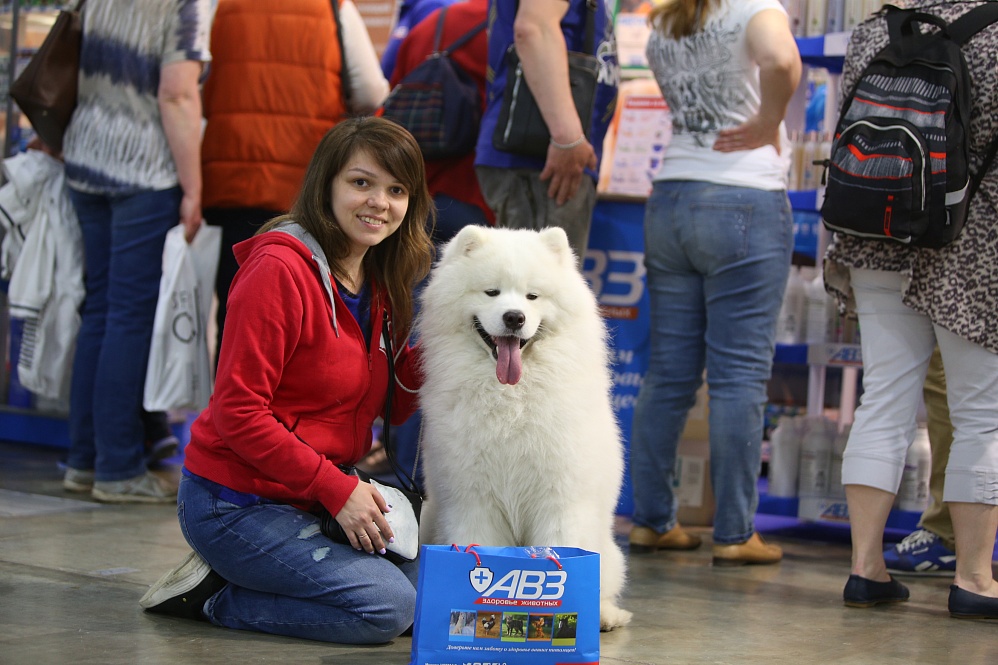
(513, 319)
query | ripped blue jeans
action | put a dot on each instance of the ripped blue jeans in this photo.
(285, 577)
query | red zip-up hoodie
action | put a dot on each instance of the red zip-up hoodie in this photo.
(298, 389)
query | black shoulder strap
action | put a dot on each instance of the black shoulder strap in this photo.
(344, 74)
(466, 37)
(961, 31)
(968, 25)
(407, 482)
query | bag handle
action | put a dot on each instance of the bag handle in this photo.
(470, 550)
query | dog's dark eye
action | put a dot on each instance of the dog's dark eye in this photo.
(532, 296)
(492, 293)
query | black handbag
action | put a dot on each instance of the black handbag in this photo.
(46, 90)
(405, 500)
(521, 128)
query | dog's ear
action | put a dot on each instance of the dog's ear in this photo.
(467, 240)
(556, 240)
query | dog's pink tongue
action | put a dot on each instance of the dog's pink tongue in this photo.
(509, 368)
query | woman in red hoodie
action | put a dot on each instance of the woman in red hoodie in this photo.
(302, 376)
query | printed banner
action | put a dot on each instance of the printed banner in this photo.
(615, 268)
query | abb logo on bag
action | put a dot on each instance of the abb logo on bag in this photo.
(519, 587)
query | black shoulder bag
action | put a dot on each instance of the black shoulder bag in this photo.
(521, 128)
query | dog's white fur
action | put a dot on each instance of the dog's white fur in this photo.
(536, 459)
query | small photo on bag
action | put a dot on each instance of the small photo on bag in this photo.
(462, 625)
(515, 624)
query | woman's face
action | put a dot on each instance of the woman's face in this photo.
(368, 202)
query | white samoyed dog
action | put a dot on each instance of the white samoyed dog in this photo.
(520, 445)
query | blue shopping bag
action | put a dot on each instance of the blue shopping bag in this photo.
(522, 605)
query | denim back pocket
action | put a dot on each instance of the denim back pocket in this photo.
(721, 231)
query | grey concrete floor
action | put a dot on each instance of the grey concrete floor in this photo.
(72, 571)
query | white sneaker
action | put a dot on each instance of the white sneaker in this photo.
(183, 591)
(147, 488)
(77, 480)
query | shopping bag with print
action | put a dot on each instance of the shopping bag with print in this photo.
(523, 605)
(179, 373)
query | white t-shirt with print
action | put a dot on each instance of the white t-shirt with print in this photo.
(710, 83)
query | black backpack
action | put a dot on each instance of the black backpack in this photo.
(438, 102)
(899, 165)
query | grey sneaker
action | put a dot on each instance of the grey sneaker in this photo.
(147, 488)
(77, 480)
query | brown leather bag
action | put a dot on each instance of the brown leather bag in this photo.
(46, 89)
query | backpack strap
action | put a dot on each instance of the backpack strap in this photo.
(457, 43)
(961, 31)
(968, 25)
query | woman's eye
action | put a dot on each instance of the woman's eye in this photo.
(360, 182)
(492, 293)
(399, 191)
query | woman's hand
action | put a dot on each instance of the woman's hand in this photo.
(363, 520)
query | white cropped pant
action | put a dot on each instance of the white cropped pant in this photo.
(897, 343)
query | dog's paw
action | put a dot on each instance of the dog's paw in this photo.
(611, 616)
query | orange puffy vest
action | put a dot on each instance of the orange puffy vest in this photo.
(273, 90)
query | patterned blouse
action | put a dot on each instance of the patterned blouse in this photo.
(956, 286)
(115, 143)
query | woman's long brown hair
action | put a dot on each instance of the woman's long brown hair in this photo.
(682, 18)
(397, 263)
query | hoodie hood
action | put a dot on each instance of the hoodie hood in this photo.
(294, 236)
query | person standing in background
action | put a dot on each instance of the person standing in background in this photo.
(909, 300)
(718, 244)
(268, 100)
(132, 153)
(410, 13)
(559, 189)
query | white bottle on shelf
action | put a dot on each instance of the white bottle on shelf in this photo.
(784, 457)
(817, 13)
(816, 458)
(835, 16)
(790, 322)
(913, 494)
(855, 13)
(821, 316)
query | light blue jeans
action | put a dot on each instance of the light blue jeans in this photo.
(718, 258)
(123, 238)
(286, 578)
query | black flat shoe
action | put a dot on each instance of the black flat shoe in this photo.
(965, 604)
(861, 592)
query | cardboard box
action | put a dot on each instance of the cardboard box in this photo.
(691, 486)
